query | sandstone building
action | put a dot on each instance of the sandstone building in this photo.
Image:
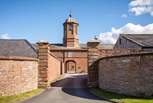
(126, 69)
(24, 66)
(73, 54)
(70, 53)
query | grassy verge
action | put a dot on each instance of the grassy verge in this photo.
(118, 97)
(22, 96)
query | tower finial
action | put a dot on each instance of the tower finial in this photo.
(70, 15)
(96, 37)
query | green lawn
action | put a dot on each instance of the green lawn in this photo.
(118, 97)
(22, 96)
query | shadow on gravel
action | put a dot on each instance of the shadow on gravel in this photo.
(75, 86)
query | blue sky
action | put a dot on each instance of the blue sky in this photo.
(36, 20)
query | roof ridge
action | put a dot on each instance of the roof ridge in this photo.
(30, 45)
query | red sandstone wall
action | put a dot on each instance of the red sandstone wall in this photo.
(94, 54)
(54, 68)
(18, 75)
(81, 63)
(80, 57)
(50, 67)
(127, 74)
(112, 52)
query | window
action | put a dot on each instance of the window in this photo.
(70, 27)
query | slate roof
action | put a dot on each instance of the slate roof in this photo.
(144, 40)
(101, 46)
(57, 47)
(17, 47)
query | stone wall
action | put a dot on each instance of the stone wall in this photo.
(95, 53)
(127, 74)
(42, 64)
(118, 51)
(81, 63)
(18, 75)
(79, 56)
(92, 67)
(49, 66)
(54, 68)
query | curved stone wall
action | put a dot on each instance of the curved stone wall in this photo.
(127, 74)
(18, 75)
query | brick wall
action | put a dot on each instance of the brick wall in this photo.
(127, 74)
(17, 75)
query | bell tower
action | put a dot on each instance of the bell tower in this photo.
(71, 32)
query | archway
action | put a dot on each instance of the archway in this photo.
(70, 66)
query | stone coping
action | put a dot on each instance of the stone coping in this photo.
(67, 49)
(126, 55)
(54, 56)
(18, 58)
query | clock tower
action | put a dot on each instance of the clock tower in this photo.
(71, 32)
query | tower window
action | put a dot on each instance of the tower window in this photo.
(71, 27)
(76, 29)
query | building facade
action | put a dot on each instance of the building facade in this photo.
(70, 53)
(25, 66)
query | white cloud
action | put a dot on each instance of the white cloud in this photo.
(4, 36)
(112, 36)
(139, 7)
(124, 16)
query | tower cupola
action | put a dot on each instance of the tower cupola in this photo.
(71, 32)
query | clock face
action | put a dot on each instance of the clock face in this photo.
(70, 27)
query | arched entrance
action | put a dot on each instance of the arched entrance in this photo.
(70, 66)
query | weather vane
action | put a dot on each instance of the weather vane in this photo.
(70, 13)
(96, 37)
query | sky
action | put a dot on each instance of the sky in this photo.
(37, 20)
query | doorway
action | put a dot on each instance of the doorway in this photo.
(70, 66)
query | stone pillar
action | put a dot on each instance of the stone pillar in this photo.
(92, 64)
(43, 49)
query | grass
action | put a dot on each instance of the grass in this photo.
(119, 97)
(19, 97)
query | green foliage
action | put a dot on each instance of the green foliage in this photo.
(119, 97)
(22, 96)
